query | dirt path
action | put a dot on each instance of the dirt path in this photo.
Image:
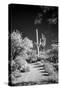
(35, 75)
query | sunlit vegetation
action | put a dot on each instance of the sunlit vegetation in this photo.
(24, 57)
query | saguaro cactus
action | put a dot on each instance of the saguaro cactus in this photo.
(42, 42)
(38, 43)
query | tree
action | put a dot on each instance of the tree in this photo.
(16, 43)
(27, 44)
(28, 49)
(20, 49)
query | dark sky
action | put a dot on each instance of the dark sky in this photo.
(25, 19)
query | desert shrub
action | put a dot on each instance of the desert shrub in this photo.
(20, 53)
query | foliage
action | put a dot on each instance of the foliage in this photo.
(22, 52)
(20, 47)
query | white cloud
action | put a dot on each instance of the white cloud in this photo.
(52, 20)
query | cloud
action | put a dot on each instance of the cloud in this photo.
(52, 20)
(47, 8)
(38, 19)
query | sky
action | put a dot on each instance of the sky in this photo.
(26, 18)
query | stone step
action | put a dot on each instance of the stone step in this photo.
(42, 70)
(45, 74)
(38, 66)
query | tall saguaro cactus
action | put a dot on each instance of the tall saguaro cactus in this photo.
(38, 44)
(42, 42)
